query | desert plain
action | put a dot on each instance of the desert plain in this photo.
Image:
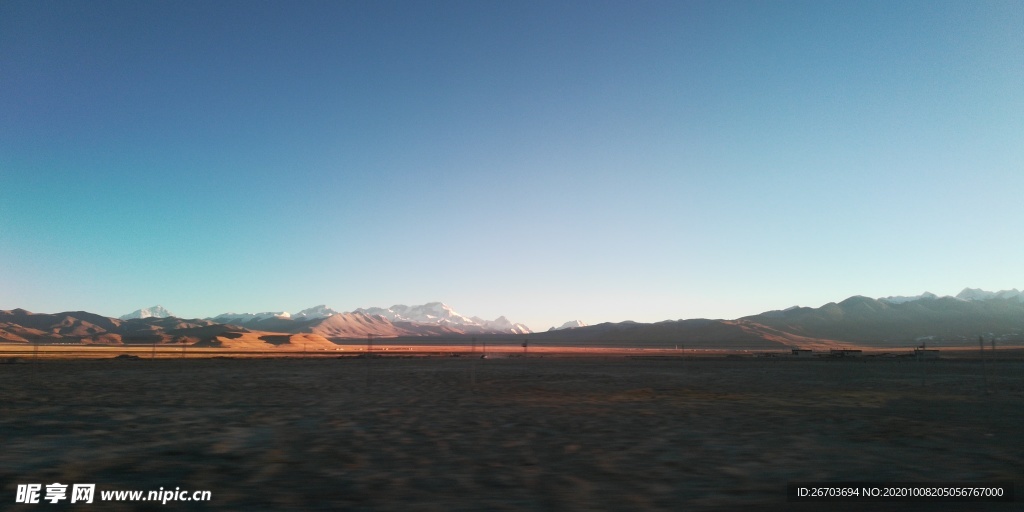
(544, 432)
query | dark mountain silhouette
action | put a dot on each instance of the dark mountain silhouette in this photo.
(862, 320)
(858, 320)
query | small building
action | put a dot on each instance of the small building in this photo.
(802, 352)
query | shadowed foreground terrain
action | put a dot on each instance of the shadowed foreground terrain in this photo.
(512, 434)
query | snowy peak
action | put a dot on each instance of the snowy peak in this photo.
(241, 318)
(152, 312)
(438, 316)
(572, 324)
(321, 311)
(503, 324)
(439, 313)
(500, 323)
(433, 313)
(430, 313)
(518, 328)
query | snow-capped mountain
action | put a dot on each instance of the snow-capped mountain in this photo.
(502, 324)
(439, 313)
(153, 312)
(321, 311)
(429, 313)
(572, 324)
(241, 318)
(436, 316)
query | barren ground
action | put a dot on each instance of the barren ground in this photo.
(545, 433)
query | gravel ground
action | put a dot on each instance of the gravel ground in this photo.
(513, 434)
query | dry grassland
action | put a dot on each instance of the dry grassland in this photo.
(448, 434)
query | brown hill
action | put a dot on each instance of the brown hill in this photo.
(21, 326)
(14, 333)
(263, 341)
(355, 325)
(698, 333)
(71, 323)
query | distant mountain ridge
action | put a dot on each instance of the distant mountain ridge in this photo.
(433, 318)
(242, 318)
(979, 294)
(857, 321)
(864, 320)
(438, 313)
(965, 294)
(314, 312)
(22, 326)
(321, 311)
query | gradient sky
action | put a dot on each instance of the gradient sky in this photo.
(547, 161)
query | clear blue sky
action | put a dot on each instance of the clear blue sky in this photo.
(546, 160)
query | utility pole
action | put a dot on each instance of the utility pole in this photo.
(369, 347)
(920, 361)
(992, 356)
(984, 374)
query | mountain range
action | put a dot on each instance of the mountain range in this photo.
(431, 319)
(967, 294)
(158, 325)
(856, 321)
(434, 318)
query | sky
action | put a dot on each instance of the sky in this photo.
(543, 160)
